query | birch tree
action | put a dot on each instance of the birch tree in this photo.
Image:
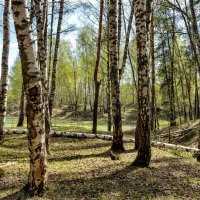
(126, 46)
(117, 143)
(143, 122)
(4, 66)
(53, 74)
(21, 108)
(37, 179)
(41, 28)
(96, 82)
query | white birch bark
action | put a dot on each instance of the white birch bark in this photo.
(4, 66)
(37, 180)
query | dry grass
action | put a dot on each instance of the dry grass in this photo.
(81, 169)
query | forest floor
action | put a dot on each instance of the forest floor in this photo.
(81, 169)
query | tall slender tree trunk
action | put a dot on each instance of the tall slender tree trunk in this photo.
(196, 105)
(108, 97)
(85, 95)
(50, 47)
(153, 90)
(109, 125)
(171, 77)
(188, 89)
(96, 82)
(4, 66)
(53, 74)
(195, 30)
(41, 28)
(119, 24)
(37, 180)
(178, 102)
(117, 143)
(182, 85)
(21, 108)
(127, 40)
(167, 76)
(128, 52)
(143, 122)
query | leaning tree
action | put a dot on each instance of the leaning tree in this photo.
(37, 180)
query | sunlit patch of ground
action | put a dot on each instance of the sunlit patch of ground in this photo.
(82, 169)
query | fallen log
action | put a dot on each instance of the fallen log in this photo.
(108, 137)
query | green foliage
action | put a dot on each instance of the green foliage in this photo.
(15, 84)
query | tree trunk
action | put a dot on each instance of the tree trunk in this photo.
(4, 66)
(196, 105)
(171, 76)
(117, 144)
(177, 102)
(85, 95)
(144, 152)
(153, 90)
(50, 47)
(21, 108)
(195, 27)
(37, 180)
(108, 97)
(182, 85)
(129, 55)
(109, 125)
(53, 74)
(127, 40)
(41, 27)
(119, 24)
(96, 82)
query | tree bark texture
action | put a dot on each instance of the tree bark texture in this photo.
(21, 108)
(37, 180)
(119, 28)
(4, 66)
(117, 144)
(41, 27)
(144, 151)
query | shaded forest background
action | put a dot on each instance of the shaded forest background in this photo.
(176, 60)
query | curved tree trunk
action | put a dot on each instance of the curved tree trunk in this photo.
(117, 144)
(21, 108)
(127, 40)
(4, 66)
(53, 74)
(144, 152)
(96, 82)
(37, 180)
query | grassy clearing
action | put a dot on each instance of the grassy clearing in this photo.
(79, 125)
(74, 125)
(81, 169)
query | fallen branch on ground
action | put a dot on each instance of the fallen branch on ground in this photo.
(107, 137)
